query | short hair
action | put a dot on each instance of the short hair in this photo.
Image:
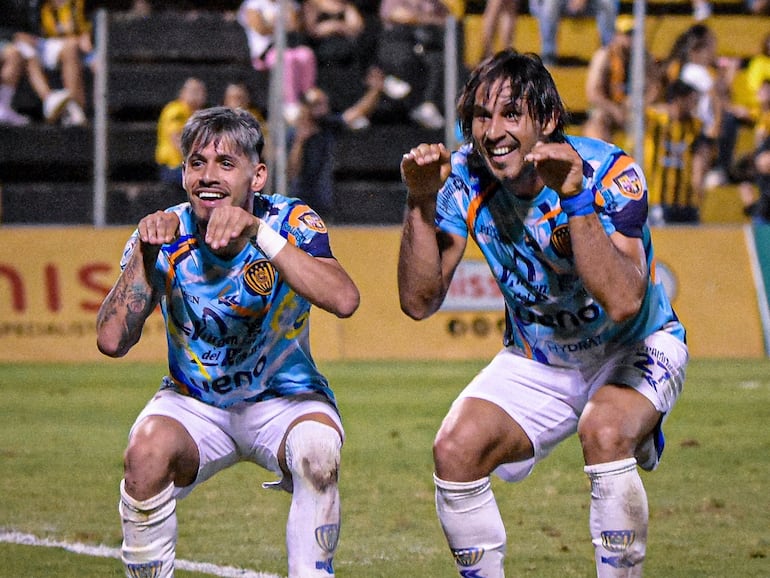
(529, 80)
(217, 123)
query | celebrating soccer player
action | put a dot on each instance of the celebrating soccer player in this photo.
(235, 273)
(591, 344)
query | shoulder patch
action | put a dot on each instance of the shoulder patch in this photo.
(313, 221)
(630, 184)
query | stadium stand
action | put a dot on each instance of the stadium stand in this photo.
(46, 171)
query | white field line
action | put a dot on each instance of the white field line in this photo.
(12, 537)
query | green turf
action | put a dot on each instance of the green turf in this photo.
(63, 430)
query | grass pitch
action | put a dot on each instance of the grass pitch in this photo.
(63, 429)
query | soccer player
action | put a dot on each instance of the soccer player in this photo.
(235, 273)
(591, 344)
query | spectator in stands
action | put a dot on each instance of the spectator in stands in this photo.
(549, 12)
(311, 154)
(141, 8)
(608, 83)
(168, 150)
(11, 71)
(758, 7)
(676, 155)
(334, 29)
(754, 168)
(258, 18)
(758, 70)
(498, 24)
(693, 59)
(701, 10)
(761, 210)
(20, 21)
(237, 95)
(63, 43)
(411, 48)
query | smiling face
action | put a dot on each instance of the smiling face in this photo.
(503, 132)
(219, 174)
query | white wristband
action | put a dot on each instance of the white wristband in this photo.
(270, 242)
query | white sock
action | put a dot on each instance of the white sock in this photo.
(618, 518)
(473, 527)
(313, 525)
(149, 534)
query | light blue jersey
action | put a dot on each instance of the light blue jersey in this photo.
(235, 329)
(550, 316)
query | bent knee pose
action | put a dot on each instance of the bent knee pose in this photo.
(592, 345)
(235, 292)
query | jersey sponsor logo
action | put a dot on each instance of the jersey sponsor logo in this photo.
(563, 319)
(326, 565)
(473, 573)
(583, 345)
(259, 277)
(468, 556)
(630, 184)
(227, 383)
(617, 562)
(561, 241)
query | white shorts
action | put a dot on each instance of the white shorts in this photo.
(50, 50)
(245, 432)
(547, 401)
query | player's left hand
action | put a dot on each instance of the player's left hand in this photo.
(229, 223)
(559, 166)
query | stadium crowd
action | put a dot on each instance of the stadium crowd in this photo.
(335, 45)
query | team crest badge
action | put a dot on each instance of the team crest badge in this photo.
(617, 540)
(313, 221)
(260, 277)
(145, 570)
(561, 241)
(327, 536)
(468, 556)
(630, 184)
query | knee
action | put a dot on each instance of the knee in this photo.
(158, 453)
(447, 449)
(145, 470)
(603, 440)
(313, 452)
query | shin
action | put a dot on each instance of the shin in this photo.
(149, 534)
(618, 518)
(312, 529)
(473, 527)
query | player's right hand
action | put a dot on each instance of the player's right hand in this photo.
(159, 228)
(424, 169)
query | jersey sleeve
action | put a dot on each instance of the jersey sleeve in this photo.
(306, 230)
(128, 249)
(623, 189)
(453, 198)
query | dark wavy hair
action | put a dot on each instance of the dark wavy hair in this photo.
(530, 81)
